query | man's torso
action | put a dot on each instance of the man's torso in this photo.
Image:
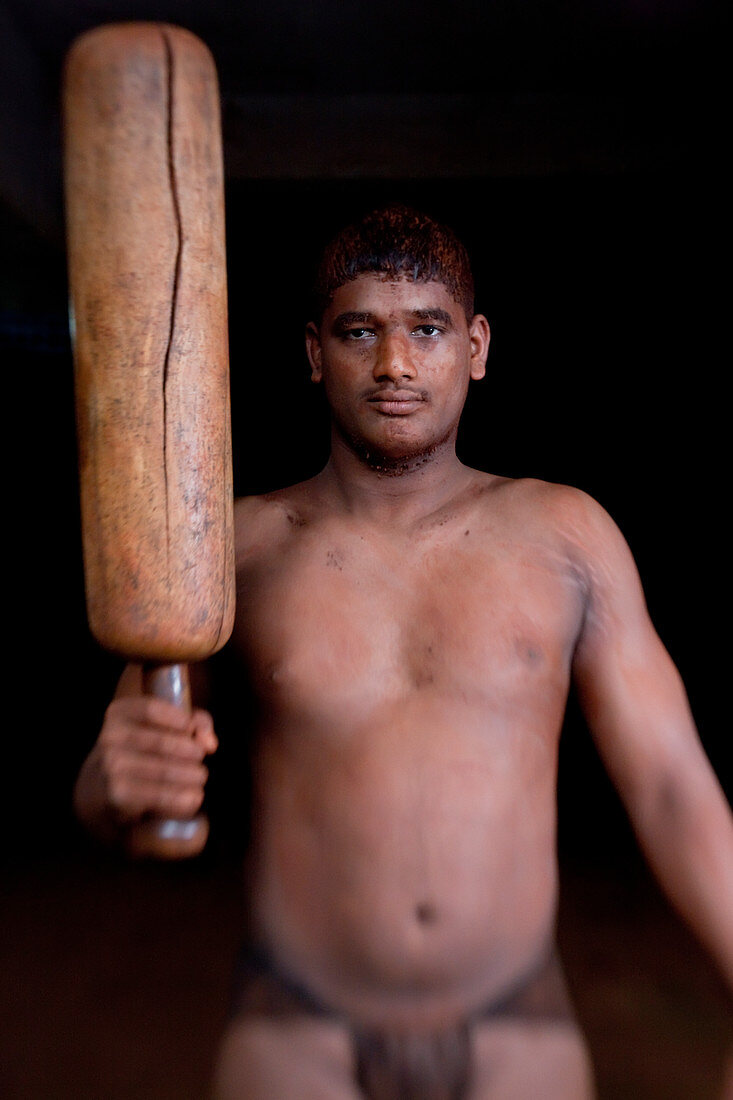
(411, 684)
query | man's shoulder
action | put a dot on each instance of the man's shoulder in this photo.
(546, 500)
(548, 511)
(267, 507)
(264, 520)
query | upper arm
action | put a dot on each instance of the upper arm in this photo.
(629, 688)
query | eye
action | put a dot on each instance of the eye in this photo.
(356, 333)
(427, 330)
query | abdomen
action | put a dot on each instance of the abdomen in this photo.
(406, 866)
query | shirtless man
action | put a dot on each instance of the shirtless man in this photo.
(410, 628)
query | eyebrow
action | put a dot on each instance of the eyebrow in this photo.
(433, 314)
(355, 317)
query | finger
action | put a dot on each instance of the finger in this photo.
(125, 715)
(146, 710)
(131, 801)
(202, 726)
(151, 741)
(168, 771)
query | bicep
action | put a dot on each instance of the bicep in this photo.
(630, 691)
(636, 707)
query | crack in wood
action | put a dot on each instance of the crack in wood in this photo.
(176, 277)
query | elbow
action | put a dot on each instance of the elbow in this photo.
(679, 810)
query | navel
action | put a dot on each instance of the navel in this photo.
(426, 913)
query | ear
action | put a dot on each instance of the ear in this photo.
(314, 351)
(479, 334)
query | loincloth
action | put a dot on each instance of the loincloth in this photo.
(400, 1066)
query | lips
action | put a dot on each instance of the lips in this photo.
(395, 402)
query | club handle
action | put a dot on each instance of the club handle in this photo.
(168, 838)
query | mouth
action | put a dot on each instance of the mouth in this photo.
(396, 402)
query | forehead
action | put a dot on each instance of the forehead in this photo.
(390, 297)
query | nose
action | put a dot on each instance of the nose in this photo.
(394, 359)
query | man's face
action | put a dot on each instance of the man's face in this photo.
(395, 358)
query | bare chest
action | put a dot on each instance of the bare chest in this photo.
(333, 626)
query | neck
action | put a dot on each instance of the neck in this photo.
(392, 490)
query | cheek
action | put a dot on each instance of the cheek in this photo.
(348, 374)
(455, 387)
(337, 386)
(341, 393)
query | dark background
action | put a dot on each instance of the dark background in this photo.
(576, 148)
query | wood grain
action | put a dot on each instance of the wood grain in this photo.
(147, 275)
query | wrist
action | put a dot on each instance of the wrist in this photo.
(91, 808)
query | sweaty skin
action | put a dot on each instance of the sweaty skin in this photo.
(410, 628)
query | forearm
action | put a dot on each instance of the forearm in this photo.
(685, 828)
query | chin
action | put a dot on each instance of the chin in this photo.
(398, 456)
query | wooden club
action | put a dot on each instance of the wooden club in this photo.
(147, 278)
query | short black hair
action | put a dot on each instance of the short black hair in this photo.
(399, 243)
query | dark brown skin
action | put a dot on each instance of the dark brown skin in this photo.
(411, 627)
